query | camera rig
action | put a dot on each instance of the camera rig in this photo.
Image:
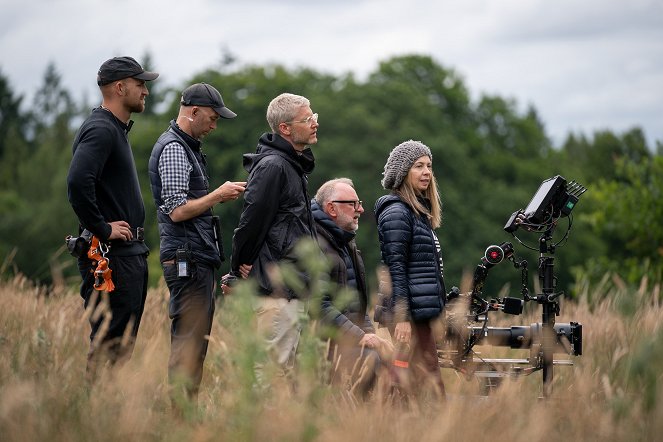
(467, 315)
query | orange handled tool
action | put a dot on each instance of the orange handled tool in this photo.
(103, 273)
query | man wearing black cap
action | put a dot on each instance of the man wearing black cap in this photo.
(190, 240)
(104, 192)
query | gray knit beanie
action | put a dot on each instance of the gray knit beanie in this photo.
(400, 160)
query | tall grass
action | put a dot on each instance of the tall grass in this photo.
(612, 393)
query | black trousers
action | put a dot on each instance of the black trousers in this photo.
(114, 316)
(191, 311)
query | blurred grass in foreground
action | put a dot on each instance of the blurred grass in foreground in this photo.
(613, 393)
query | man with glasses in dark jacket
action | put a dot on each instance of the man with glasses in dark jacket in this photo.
(275, 217)
(355, 348)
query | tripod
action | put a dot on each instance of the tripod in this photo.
(550, 307)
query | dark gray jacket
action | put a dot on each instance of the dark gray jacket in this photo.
(347, 270)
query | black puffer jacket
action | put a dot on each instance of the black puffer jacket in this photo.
(407, 244)
(276, 212)
(349, 319)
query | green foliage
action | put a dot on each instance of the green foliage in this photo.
(39, 216)
(596, 158)
(626, 213)
(489, 159)
(13, 143)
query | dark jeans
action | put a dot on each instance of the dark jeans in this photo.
(114, 313)
(191, 311)
(423, 377)
(424, 361)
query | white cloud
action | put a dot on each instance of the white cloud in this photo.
(584, 65)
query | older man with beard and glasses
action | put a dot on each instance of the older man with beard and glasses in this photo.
(275, 217)
(355, 348)
(105, 194)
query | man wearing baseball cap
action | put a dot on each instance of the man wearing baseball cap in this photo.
(119, 68)
(190, 237)
(104, 192)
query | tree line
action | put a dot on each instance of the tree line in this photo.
(489, 158)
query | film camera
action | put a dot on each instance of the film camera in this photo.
(467, 315)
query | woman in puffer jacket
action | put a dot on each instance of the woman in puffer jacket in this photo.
(411, 251)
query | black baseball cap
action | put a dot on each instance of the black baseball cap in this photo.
(118, 68)
(203, 94)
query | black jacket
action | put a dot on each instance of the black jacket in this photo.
(276, 212)
(407, 244)
(102, 181)
(347, 270)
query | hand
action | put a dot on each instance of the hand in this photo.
(227, 282)
(120, 230)
(370, 340)
(386, 347)
(230, 190)
(403, 332)
(244, 270)
(521, 221)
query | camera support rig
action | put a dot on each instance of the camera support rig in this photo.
(554, 199)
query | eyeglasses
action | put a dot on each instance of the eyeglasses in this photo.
(356, 204)
(311, 119)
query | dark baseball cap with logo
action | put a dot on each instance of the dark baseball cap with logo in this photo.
(119, 68)
(205, 95)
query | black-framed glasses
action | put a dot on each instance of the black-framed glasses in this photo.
(356, 204)
(311, 119)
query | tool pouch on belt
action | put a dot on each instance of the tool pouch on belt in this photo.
(78, 246)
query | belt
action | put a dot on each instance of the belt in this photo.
(138, 233)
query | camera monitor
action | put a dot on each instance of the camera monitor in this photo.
(548, 193)
(555, 198)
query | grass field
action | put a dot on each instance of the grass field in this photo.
(612, 393)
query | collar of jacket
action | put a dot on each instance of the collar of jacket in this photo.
(425, 202)
(339, 236)
(190, 141)
(273, 144)
(391, 198)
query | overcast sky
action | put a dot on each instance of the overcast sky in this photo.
(584, 65)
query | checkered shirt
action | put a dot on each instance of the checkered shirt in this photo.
(174, 169)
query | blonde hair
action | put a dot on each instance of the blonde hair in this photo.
(284, 108)
(409, 195)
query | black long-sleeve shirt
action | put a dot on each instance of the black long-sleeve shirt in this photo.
(103, 183)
